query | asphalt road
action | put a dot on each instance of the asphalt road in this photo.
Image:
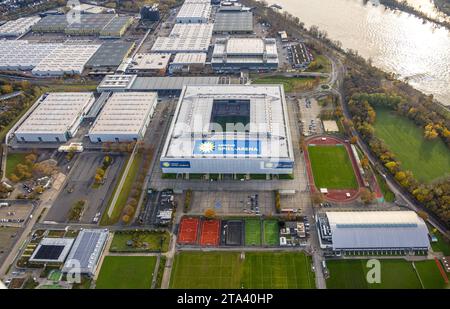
(81, 179)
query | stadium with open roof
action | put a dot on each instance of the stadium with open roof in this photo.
(229, 130)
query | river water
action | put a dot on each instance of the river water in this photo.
(395, 42)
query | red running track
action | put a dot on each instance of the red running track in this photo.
(334, 195)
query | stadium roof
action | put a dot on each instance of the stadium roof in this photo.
(52, 250)
(124, 112)
(268, 121)
(377, 230)
(234, 21)
(86, 251)
(110, 54)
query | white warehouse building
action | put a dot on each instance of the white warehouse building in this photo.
(223, 129)
(18, 27)
(68, 58)
(56, 118)
(124, 118)
(191, 13)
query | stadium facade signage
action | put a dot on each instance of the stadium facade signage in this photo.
(227, 147)
(175, 164)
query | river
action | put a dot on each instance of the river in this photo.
(395, 42)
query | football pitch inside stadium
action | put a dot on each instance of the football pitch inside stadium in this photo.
(233, 270)
(331, 167)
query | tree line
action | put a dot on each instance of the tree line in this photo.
(434, 196)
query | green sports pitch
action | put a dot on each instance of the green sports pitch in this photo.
(233, 270)
(331, 167)
(271, 233)
(126, 272)
(395, 274)
(252, 232)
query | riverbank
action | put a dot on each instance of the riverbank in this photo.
(405, 7)
(443, 6)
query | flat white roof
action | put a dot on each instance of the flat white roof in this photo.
(19, 26)
(181, 44)
(192, 30)
(153, 61)
(68, 57)
(245, 50)
(195, 10)
(124, 112)
(57, 113)
(268, 121)
(117, 81)
(377, 230)
(330, 126)
(22, 55)
(189, 58)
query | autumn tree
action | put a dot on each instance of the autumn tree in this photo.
(209, 213)
(317, 197)
(367, 196)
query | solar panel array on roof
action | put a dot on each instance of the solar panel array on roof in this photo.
(86, 251)
(49, 252)
(52, 250)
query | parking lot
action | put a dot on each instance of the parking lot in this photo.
(310, 117)
(8, 235)
(15, 214)
(158, 208)
(80, 187)
(238, 203)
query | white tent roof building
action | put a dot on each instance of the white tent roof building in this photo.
(377, 230)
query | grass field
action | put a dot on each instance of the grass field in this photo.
(290, 83)
(154, 241)
(226, 270)
(252, 232)
(124, 193)
(430, 275)
(387, 193)
(126, 272)
(395, 274)
(332, 168)
(406, 141)
(443, 244)
(271, 233)
(12, 160)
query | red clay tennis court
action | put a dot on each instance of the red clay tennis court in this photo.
(187, 232)
(210, 233)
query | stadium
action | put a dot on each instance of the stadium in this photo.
(222, 129)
